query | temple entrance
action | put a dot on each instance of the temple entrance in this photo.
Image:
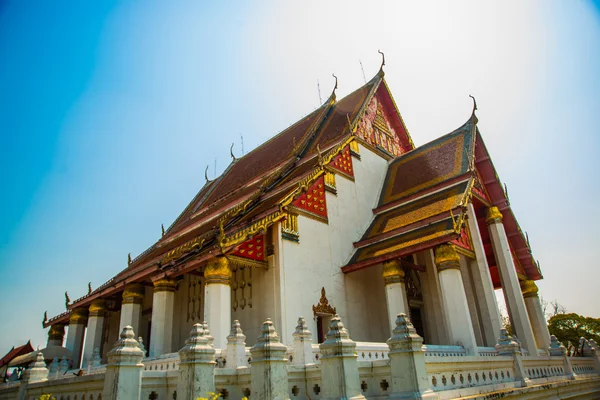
(417, 320)
(322, 326)
(414, 295)
(323, 312)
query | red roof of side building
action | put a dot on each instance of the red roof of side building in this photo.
(15, 352)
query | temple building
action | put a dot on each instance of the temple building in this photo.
(339, 217)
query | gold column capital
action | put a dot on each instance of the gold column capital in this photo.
(392, 272)
(218, 270)
(493, 215)
(78, 316)
(56, 332)
(97, 307)
(133, 293)
(529, 288)
(446, 257)
(164, 285)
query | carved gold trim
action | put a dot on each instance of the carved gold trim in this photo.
(242, 262)
(392, 272)
(78, 316)
(218, 270)
(464, 252)
(97, 307)
(354, 148)
(258, 226)
(446, 257)
(164, 285)
(289, 227)
(323, 306)
(133, 293)
(56, 332)
(529, 288)
(330, 182)
(493, 216)
(179, 251)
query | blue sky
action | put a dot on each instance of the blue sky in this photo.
(110, 112)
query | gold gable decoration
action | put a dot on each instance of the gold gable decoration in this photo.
(323, 307)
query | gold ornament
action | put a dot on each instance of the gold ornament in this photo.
(78, 316)
(493, 215)
(218, 270)
(446, 257)
(392, 272)
(133, 293)
(323, 307)
(97, 307)
(529, 288)
(56, 332)
(164, 285)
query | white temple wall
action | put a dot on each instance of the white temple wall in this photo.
(315, 262)
(253, 314)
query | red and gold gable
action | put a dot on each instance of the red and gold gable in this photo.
(343, 162)
(375, 128)
(313, 200)
(464, 241)
(254, 249)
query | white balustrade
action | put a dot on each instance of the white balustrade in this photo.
(433, 350)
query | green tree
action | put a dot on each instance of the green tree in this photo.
(570, 327)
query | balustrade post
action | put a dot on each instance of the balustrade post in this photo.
(302, 344)
(595, 353)
(339, 365)
(269, 366)
(236, 347)
(196, 367)
(508, 347)
(557, 349)
(36, 372)
(407, 362)
(123, 379)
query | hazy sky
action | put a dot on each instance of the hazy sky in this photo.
(110, 112)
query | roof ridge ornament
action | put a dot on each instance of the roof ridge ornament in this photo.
(382, 61)
(231, 153)
(474, 109)
(206, 175)
(332, 97)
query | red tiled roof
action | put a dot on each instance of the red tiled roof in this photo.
(15, 352)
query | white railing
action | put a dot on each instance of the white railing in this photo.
(372, 351)
(583, 365)
(434, 350)
(543, 367)
(449, 373)
(166, 362)
(487, 351)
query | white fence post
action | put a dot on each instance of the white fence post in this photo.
(557, 349)
(196, 366)
(269, 366)
(123, 378)
(508, 347)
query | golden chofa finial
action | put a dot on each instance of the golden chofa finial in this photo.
(89, 287)
(336, 81)
(45, 318)
(474, 103)
(231, 152)
(129, 259)
(162, 229)
(206, 174)
(382, 60)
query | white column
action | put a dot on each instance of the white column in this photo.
(131, 307)
(510, 281)
(95, 325)
(395, 290)
(434, 303)
(77, 322)
(217, 299)
(163, 301)
(455, 301)
(56, 335)
(471, 298)
(482, 284)
(536, 315)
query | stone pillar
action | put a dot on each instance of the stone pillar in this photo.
(482, 284)
(56, 335)
(196, 369)
(95, 325)
(77, 323)
(407, 362)
(123, 379)
(217, 298)
(163, 302)
(437, 326)
(537, 318)
(302, 350)
(455, 301)
(269, 378)
(36, 372)
(510, 281)
(339, 366)
(131, 307)
(236, 347)
(557, 349)
(395, 290)
(508, 347)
